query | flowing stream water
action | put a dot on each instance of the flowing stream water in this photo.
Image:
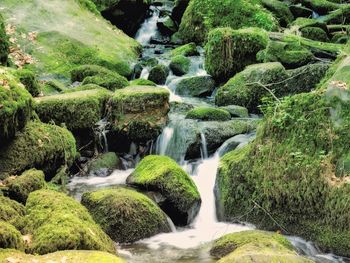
(192, 243)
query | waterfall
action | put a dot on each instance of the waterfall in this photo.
(204, 148)
(149, 28)
(101, 131)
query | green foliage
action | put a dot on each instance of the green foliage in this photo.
(125, 215)
(208, 114)
(203, 15)
(180, 65)
(42, 146)
(28, 79)
(163, 174)
(186, 50)
(11, 211)
(77, 110)
(4, 44)
(15, 105)
(142, 82)
(158, 74)
(228, 51)
(10, 237)
(19, 187)
(52, 214)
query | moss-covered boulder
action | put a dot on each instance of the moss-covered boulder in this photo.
(104, 164)
(163, 175)
(236, 111)
(322, 7)
(58, 222)
(255, 246)
(77, 110)
(10, 237)
(186, 50)
(248, 87)
(139, 112)
(180, 65)
(68, 256)
(280, 10)
(202, 16)
(142, 82)
(158, 74)
(15, 105)
(4, 44)
(228, 51)
(125, 215)
(11, 211)
(314, 33)
(19, 187)
(43, 146)
(208, 114)
(29, 80)
(198, 86)
(300, 178)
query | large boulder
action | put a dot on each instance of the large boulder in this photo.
(58, 222)
(18, 188)
(200, 17)
(10, 237)
(42, 146)
(125, 215)
(15, 106)
(255, 246)
(158, 74)
(77, 110)
(198, 86)
(180, 197)
(68, 256)
(4, 44)
(228, 51)
(139, 112)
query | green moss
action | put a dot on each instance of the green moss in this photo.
(15, 105)
(126, 215)
(77, 110)
(53, 87)
(231, 242)
(10, 237)
(280, 10)
(81, 72)
(163, 174)
(339, 16)
(180, 65)
(208, 114)
(28, 79)
(42, 146)
(83, 87)
(142, 82)
(228, 51)
(202, 16)
(4, 44)
(158, 74)
(68, 256)
(302, 22)
(247, 87)
(139, 112)
(198, 86)
(20, 187)
(236, 111)
(314, 33)
(320, 6)
(107, 160)
(51, 215)
(186, 50)
(11, 211)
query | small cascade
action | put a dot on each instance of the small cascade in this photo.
(204, 148)
(163, 140)
(149, 28)
(101, 130)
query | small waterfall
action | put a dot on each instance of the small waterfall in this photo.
(204, 148)
(101, 131)
(163, 140)
(149, 28)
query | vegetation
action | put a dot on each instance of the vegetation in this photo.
(11, 211)
(208, 114)
(158, 74)
(180, 65)
(198, 86)
(186, 50)
(4, 44)
(10, 237)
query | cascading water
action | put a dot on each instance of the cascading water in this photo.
(148, 28)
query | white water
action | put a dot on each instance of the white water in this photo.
(148, 29)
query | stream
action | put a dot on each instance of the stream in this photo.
(189, 244)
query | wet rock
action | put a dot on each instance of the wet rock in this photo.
(300, 11)
(179, 9)
(125, 215)
(103, 165)
(163, 175)
(208, 114)
(180, 65)
(236, 111)
(158, 74)
(166, 26)
(186, 50)
(198, 86)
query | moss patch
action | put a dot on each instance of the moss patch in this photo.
(10, 237)
(29, 80)
(109, 161)
(180, 65)
(4, 44)
(11, 211)
(208, 114)
(158, 74)
(126, 215)
(186, 50)
(52, 214)
(142, 82)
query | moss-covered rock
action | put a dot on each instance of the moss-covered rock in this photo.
(4, 44)
(142, 82)
(42, 146)
(167, 26)
(139, 112)
(280, 10)
(10, 237)
(180, 65)
(104, 164)
(58, 222)
(15, 105)
(255, 246)
(248, 87)
(322, 7)
(300, 178)
(236, 111)
(339, 16)
(186, 50)
(202, 16)
(18, 188)
(162, 174)
(228, 51)
(198, 86)
(29, 80)
(11, 211)
(125, 215)
(208, 114)
(158, 74)
(68, 256)
(77, 110)
(314, 33)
